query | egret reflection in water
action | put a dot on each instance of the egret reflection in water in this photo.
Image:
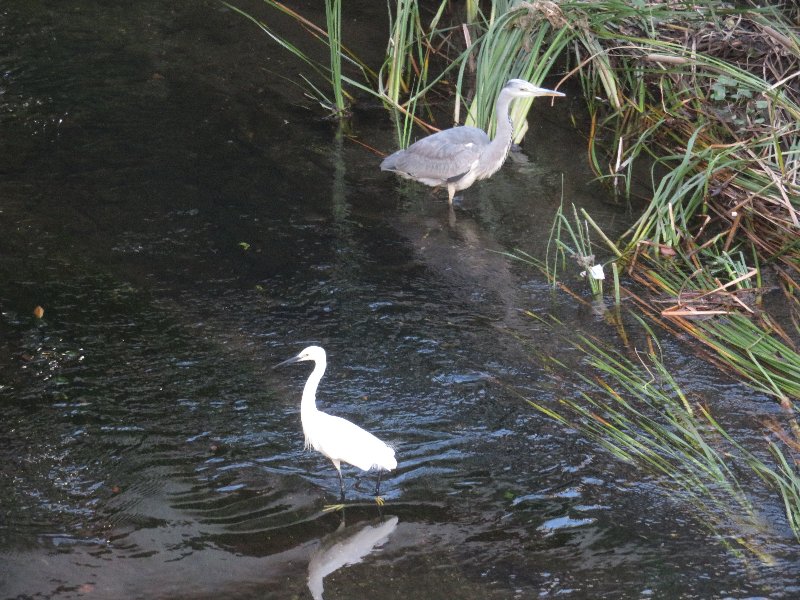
(346, 546)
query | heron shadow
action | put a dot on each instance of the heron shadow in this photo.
(466, 257)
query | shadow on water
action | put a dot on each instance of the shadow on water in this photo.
(187, 223)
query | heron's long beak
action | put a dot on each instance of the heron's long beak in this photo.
(288, 361)
(546, 92)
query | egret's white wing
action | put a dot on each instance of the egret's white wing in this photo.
(339, 439)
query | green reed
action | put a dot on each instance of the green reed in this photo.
(633, 407)
(333, 20)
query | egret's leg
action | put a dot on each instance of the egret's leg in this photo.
(338, 465)
(451, 191)
(378, 486)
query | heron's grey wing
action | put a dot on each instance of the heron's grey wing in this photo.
(441, 157)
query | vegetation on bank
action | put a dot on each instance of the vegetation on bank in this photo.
(704, 98)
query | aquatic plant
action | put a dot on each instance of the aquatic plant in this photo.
(707, 96)
(520, 41)
(337, 51)
(333, 20)
(403, 77)
(633, 407)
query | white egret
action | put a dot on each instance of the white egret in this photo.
(335, 437)
(456, 158)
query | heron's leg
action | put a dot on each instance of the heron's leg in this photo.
(451, 191)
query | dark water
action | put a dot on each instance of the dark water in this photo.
(187, 220)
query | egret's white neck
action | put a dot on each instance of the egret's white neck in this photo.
(309, 404)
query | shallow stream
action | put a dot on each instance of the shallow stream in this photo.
(187, 220)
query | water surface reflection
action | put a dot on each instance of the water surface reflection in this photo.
(346, 546)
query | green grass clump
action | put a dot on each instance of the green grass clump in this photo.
(635, 409)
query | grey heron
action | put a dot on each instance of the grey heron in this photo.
(455, 158)
(335, 437)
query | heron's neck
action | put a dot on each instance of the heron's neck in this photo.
(503, 132)
(309, 402)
